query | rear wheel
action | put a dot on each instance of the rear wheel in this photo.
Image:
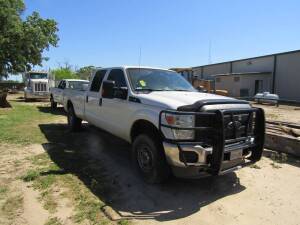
(73, 121)
(149, 159)
(53, 103)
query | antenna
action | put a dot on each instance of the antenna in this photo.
(209, 52)
(140, 57)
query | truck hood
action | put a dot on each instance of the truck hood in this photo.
(175, 99)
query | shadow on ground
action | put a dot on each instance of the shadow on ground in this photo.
(57, 111)
(96, 157)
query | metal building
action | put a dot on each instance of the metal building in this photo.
(277, 73)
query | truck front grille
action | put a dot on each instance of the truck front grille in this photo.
(236, 126)
(42, 87)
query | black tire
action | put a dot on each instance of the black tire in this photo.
(149, 159)
(53, 103)
(73, 121)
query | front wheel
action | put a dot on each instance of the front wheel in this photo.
(149, 159)
(53, 103)
(73, 121)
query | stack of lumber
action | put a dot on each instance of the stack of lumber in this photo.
(283, 137)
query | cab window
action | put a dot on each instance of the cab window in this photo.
(62, 84)
(97, 81)
(118, 77)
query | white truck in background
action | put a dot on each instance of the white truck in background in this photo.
(37, 85)
(61, 94)
(172, 127)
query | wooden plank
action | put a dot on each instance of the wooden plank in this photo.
(282, 143)
(288, 124)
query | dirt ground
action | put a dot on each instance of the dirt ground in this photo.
(284, 113)
(267, 193)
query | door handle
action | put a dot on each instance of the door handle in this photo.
(100, 102)
(87, 99)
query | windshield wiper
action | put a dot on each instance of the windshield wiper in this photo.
(176, 90)
(181, 90)
(148, 89)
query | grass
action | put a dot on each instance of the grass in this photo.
(255, 166)
(275, 165)
(123, 222)
(19, 125)
(87, 205)
(54, 174)
(46, 175)
(41, 182)
(12, 205)
(49, 202)
(278, 158)
(53, 221)
(31, 175)
(3, 191)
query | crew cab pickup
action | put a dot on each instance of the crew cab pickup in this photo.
(172, 127)
(65, 88)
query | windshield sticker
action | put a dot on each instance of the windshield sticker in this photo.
(142, 83)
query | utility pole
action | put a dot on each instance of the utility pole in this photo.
(209, 52)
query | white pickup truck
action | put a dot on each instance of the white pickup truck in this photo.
(172, 127)
(61, 94)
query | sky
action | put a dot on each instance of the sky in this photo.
(173, 33)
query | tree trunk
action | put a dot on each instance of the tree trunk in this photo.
(3, 102)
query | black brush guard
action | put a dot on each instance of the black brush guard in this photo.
(216, 134)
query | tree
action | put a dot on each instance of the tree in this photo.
(22, 41)
(64, 73)
(85, 72)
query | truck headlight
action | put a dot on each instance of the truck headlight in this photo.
(172, 122)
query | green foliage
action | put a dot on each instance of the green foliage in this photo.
(64, 73)
(22, 42)
(10, 81)
(85, 72)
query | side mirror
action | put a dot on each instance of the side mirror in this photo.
(85, 87)
(108, 89)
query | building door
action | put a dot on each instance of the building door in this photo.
(258, 86)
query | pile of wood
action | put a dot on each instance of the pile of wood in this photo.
(283, 137)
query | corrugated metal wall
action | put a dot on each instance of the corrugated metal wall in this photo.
(287, 77)
(287, 71)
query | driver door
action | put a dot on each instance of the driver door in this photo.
(58, 96)
(116, 111)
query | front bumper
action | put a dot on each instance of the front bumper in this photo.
(36, 95)
(201, 167)
(218, 155)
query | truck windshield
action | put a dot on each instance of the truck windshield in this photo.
(144, 79)
(38, 76)
(78, 85)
